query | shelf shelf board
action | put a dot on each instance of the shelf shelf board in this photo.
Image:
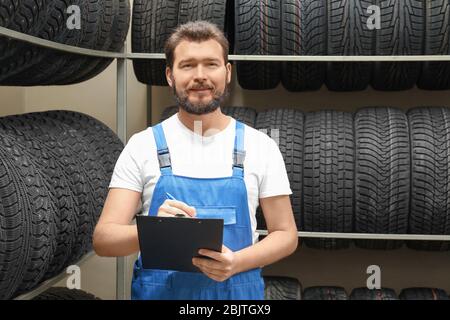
(232, 57)
(373, 236)
(58, 46)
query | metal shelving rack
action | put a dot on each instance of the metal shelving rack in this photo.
(121, 110)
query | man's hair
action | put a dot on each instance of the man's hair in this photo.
(197, 31)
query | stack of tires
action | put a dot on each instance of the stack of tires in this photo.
(61, 293)
(339, 293)
(282, 288)
(92, 24)
(379, 170)
(287, 288)
(309, 27)
(54, 175)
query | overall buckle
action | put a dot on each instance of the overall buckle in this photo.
(238, 158)
(164, 158)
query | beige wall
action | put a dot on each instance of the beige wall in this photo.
(96, 97)
(12, 100)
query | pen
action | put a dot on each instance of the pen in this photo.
(171, 197)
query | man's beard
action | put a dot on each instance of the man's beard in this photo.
(200, 108)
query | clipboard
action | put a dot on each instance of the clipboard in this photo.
(168, 243)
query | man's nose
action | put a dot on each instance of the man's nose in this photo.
(200, 74)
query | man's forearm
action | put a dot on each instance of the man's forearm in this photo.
(272, 248)
(115, 240)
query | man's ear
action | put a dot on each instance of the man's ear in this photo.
(169, 76)
(228, 66)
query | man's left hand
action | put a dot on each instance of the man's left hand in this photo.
(221, 268)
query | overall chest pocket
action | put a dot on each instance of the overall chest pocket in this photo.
(235, 235)
(227, 213)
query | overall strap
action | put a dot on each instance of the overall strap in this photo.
(165, 164)
(239, 152)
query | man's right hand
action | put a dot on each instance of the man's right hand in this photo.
(171, 208)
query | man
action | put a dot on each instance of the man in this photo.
(210, 163)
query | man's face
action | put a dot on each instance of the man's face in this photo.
(199, 77)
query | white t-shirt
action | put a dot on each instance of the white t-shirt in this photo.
(194, 155)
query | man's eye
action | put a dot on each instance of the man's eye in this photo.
(185, 66)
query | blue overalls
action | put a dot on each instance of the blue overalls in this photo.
(223, 198)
